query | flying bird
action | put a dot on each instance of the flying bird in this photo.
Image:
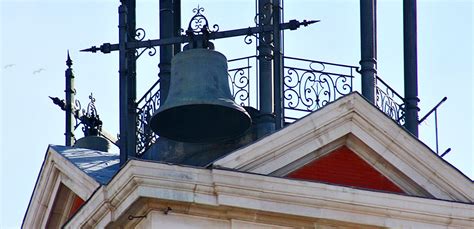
(39, 70)
(8, 66)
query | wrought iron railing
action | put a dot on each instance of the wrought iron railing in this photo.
(243, 81)
(310, 85)
(389, 101)
(146, 107)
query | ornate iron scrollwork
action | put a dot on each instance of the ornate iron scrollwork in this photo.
(140, 35)
(389, 101)
(248, 39)
(309, 88)
(239, 85)
(241, 80)
(89, 118)
(199, 24)
(150, 102)
(92, 124)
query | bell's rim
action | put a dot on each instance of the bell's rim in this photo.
(202, 123)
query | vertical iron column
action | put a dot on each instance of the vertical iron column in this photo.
(125, 146)
(70, 92)
(368, 47)
(177, 23)
(277, 66)
(410, 66)
(166, 51)
(266, 122)
(132, 81)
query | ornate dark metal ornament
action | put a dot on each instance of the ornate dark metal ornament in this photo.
(140, 35)
(199, 24)
(92, 124)
(239, 80)
(389, 101)
(147, 105)
(198, 30)
(309, 88)
(88, 118)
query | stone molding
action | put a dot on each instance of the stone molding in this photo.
(142, 179)
(355, 122)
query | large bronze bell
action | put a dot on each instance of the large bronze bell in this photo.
(199, 106)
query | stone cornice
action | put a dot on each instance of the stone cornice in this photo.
(141, 179)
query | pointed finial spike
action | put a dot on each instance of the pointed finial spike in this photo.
(68, 61)
(92, 49)
(306, 23)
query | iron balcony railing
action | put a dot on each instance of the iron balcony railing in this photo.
(389, 101)
(308, 86)
(146, 107)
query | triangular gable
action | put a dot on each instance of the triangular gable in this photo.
(355, 123)
(66, 203)
(68, 177)
(344, 167)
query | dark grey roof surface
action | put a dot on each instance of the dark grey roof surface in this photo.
(101, 166)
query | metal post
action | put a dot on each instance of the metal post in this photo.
(266, 123)
(70, 92)
(368, 41)
(435, 110)
(132, 81)
(177, 23)
(123, 86)
(166, 51)
(410, 66)
(277, 66)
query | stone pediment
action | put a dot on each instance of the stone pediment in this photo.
(373, 137)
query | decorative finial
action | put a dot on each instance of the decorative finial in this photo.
(294, 24)
(199, 24)
(59, 102)
(104, 48)
(306, 23)
(90, 119)
(68, 61)
(92, 49)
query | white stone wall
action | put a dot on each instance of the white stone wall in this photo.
(157, 219)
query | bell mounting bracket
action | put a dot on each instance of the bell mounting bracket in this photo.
(198, 30)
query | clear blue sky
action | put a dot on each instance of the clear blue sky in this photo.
(36, 35)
